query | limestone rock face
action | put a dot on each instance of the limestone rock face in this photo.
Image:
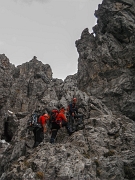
(103, 147)
(6, 69)
(23, 86)
(106, 64)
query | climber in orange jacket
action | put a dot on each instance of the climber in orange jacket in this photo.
(61, 118)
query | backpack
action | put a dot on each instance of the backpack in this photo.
(33, 121)
(54, 113)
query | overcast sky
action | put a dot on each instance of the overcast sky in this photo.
(47, 29)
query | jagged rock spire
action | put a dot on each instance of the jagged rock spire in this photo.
(106, 64)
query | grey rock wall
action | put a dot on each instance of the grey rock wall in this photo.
(106, 64)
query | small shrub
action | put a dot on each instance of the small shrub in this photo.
(26, 163)
(40, 175)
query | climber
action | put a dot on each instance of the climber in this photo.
(40, 129)
(73, 114)
(59, 122)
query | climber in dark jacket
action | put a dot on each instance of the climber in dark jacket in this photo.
(73, 113)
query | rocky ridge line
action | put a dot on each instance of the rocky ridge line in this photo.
(104, 148)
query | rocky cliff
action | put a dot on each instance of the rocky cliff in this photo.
(106, 67)
(103, 148)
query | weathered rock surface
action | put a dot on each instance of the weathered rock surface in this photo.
(106, 64)
(103, 148)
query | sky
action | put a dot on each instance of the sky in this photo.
(46, 29)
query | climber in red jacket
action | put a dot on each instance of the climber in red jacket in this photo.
(43, 121)
(60, 121)
(40, 130)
